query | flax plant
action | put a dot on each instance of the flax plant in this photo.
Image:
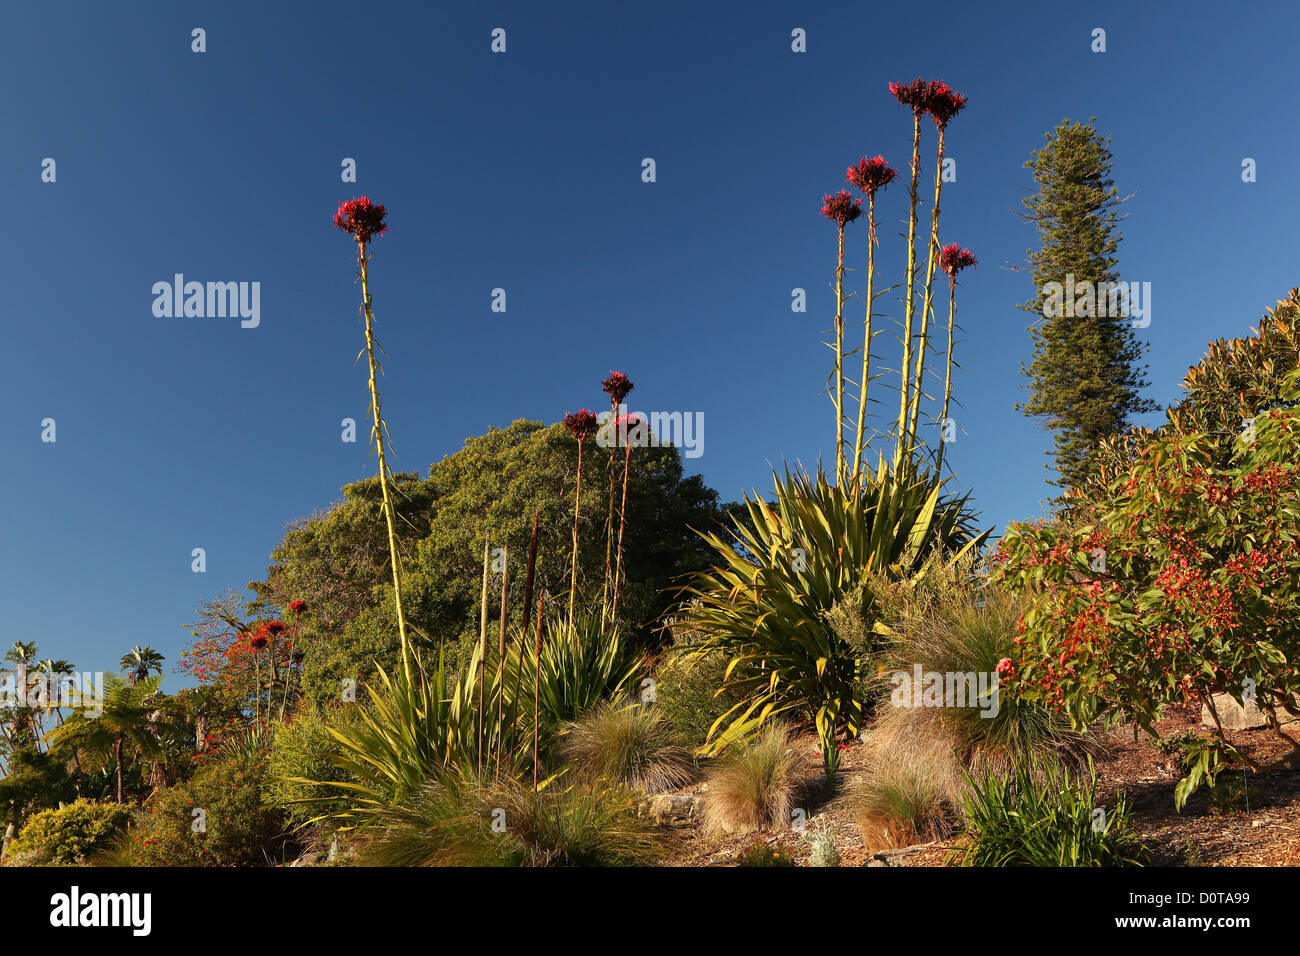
(363, 220)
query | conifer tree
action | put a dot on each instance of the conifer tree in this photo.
(1085, 379)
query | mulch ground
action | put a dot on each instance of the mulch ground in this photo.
(1260, 827)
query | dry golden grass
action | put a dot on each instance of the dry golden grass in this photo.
(628, 744)
(753, 786)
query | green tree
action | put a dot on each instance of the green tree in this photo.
(128, 727)
(488, 490)
(1085, 378)
(33, 782)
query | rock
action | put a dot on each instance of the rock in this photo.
(308, 859)
(1234, 716)
(674, 809)
(899, 857)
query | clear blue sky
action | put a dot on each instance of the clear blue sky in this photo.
(522, 171)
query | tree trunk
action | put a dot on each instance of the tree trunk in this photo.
(118, 751)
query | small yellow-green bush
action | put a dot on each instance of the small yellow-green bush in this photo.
(68, 834)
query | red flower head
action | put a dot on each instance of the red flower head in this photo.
(297, 606)
(871, 175)
(841, 208)
(914, 94)
(274, 627)
(953, 258)
(616, 387)
(1004, 668)
(943, 103)
(259, 640)
(361, 219)
(581, 424)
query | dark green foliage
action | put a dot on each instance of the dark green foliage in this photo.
(336, 561)
(1040, 816)
(234, 828)
(1085, 376)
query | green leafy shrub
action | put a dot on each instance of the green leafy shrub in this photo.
(1182, 586)
(1038, 816)
(302, 750)
(753, 785)
(628, 744)
(217, 818)
(786, 566)
(68, 834)
(690, 686)
(472, 820)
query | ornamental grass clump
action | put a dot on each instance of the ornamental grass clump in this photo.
(753, 786)
(958, 623)
(628, 744)
(897, 802)
(481, 820)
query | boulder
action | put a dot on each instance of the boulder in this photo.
(1234, 716)
(674, 809)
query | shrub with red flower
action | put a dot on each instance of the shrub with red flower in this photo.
(1183, 585)
(841, 208)
(361, 219)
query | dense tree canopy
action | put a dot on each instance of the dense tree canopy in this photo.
(487, 491)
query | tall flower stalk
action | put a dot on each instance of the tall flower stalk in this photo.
(841, 209)
(628, 422)
(952, 259)
(363, 220)
(911, 95)
(618, 386)
(870, 176)
(942, 103)
(581, 425)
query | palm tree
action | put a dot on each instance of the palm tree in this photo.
(140, 661)
(23, 724)
(125, 727)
